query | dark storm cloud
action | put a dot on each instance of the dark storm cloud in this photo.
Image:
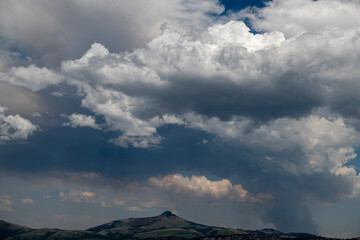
(291, 95)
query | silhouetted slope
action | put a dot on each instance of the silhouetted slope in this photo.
(165, 226)
(8, 229)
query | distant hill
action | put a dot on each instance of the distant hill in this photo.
(164, 226)
(10, 231)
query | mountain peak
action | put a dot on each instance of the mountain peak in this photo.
(168, 214)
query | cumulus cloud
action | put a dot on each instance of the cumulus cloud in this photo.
(6, 204)
(200, 186)
(27, 201)
(49, 32)
(31, 77)
(81, 120)
(200, 71)
(14, 127)
(299, 16)
(263, 76)
(326, 142)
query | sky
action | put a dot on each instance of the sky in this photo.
(232, 113)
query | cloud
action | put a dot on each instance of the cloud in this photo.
(284, 99)
(118, 203)
(149, 204)
(124, 111)
(133, 209)
(21, 100)
(58, 93)
(49, 32)
(31, 77)
(27, 201)
(200, 186)
(81, 120)
(295, 17)
(326, 142)
(36, 115)
(14, 127)
(250, 75)
(79, 196)
(137, 141)
(6, 204)
(260, 71)
(142, 205)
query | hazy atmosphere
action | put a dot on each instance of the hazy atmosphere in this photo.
(234, 113)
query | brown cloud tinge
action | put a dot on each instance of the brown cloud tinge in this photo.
(6, 204)
(20, 100)
(27, 201)
(200, 186)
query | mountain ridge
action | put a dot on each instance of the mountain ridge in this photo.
(164, 226)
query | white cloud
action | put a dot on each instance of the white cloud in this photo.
(327, 142)
(81, 120)
(299, 16)
(236, 33)
(200, 186)
(130, 89)
(50, 31)
(31, 77)
(27, 201)
(118, 71)
(14, 127)
(6, 204)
